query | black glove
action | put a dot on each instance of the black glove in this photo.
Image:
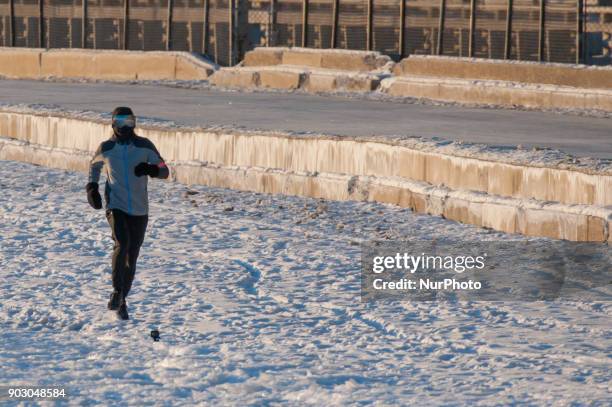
(93, 196)
(146, 169)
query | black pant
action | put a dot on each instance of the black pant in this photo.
(128, 234)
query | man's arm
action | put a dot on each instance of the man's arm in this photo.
(95, 168)
(156, 159)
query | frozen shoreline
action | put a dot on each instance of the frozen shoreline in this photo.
(519, 155)
(260, 303)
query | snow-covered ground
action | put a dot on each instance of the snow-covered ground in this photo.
(257, 300)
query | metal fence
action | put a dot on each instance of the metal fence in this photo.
(567, 31)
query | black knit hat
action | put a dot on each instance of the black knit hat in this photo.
(123, 110)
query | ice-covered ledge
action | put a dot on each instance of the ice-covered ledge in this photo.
(545, 198)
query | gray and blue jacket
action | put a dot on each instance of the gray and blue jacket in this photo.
(124, 190)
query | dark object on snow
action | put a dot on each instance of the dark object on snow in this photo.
(155, 335)
(146, 169)
(93, 196)
(115, 301)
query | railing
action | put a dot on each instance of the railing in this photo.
(568, 31)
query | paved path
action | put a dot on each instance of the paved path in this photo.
(333, 115)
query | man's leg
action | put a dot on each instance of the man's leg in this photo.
(137, 226)
(118, 222)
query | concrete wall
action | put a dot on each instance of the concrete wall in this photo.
(461, 80)
(547, 86)
(336, 155)
(578, 76)
(21, 63)
(502, 83)
(343, 168)
(292, 77)
(498, 93)
(313, 70)
(345, 60)
(104, 65)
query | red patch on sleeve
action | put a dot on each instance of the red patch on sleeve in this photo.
(162, 165)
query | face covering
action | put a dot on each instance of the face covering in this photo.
(124, 125)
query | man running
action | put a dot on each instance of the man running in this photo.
(128, 160)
